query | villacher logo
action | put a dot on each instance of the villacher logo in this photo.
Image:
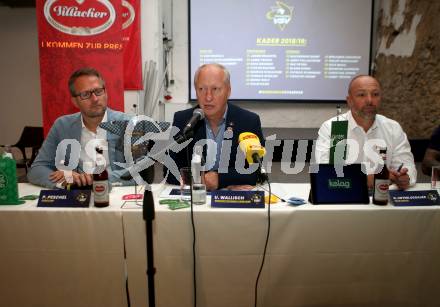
(128, 14)
(80, 17)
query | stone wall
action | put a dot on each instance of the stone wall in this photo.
(407, 63)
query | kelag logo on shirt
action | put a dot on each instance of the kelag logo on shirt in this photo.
(80, 17)
(339, 183)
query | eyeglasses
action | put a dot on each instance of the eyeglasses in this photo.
(87, 94)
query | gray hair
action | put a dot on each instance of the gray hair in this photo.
(227, 75)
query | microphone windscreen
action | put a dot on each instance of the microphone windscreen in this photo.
(250, 144)
(199, 112)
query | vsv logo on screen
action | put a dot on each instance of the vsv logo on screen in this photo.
(80, 17)
(281, 14)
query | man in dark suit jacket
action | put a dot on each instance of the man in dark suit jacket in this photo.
(223, 123)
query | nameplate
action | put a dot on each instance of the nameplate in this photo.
(237, 199)
(414, 198)
(64, 198)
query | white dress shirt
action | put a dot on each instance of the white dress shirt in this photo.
(89, 142)
(361, 145)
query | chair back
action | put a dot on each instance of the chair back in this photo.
(31, 137)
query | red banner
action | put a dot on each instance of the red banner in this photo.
(74, 34)
(131, 37)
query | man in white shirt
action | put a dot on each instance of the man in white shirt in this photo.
(366, 131)
(89, 95)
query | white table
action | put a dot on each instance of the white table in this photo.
(61, 256)
(327, 255)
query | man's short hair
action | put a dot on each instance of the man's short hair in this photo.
(227, 79)
(85, 71)
(360, 76)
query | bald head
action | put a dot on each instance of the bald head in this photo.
(362, 78)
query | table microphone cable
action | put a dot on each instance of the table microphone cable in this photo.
(265, 246)
(194, 251)
(194, 236)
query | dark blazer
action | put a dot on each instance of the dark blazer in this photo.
(237, 119)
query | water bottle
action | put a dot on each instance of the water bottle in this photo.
(198, 188)
(8, 179)
(382, 182)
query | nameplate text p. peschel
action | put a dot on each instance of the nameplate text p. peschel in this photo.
(414, 198)
(64, 198)
(237, 199)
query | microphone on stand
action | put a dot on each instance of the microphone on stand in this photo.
(138, 151)
(141, 127)
(187, 131)
(250, 144)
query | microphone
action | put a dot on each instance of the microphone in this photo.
(195, 118)
(250, 144)
(197, 115)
